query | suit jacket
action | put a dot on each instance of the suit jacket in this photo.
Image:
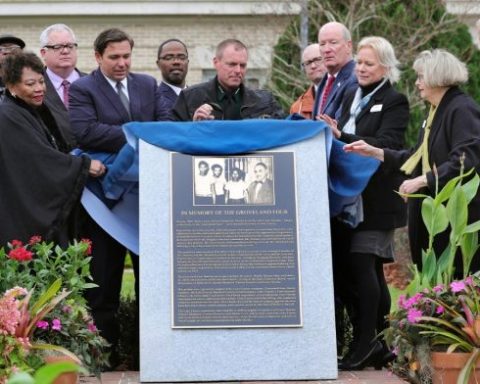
(264, 195)
(381, 123)
(255, 103)
(97, 113)
(58, 109)
(344, 81)
(168, 97)
(304, 104)
(455, 132)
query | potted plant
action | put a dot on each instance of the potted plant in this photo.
(439, 313)
(37, 265)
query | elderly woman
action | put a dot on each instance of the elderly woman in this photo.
(41, 182)
(450, 132)
(377, 114)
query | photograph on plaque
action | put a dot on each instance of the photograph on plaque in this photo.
(233, 180)
(235, 259)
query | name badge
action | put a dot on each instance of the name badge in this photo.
(376, 108)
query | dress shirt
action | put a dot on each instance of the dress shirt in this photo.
(57, 81)
(113, 84)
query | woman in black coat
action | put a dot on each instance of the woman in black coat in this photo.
(377, 114)
(41, 182)
(451, 132)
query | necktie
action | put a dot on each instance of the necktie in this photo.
(66, 87)
(326, 92)
(422, 152)
(123, 97)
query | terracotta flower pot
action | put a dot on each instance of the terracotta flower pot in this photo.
(64, 378)
(447, 367)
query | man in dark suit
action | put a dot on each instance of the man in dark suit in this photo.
(172, 60)
(9, 44)
(99, 104)
(260, 191)
(59, 52)
(336, 50)
(225, 97)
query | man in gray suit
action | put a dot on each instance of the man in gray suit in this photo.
(59, 52)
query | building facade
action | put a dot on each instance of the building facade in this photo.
(200, 24)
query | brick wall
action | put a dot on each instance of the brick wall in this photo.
(200, 33)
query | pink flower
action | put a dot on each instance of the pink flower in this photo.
(469, 280)
(35, 239)
(395, 351)
(439, 310)
(413, 315)
(42, 324)
(457, 286)
(92, 327)
(412, 301)
(67, 309)
(56, 325)
(20, 254)
(16, 243)
(438, 288)
(89, 248)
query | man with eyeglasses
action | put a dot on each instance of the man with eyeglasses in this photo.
(172, 60)
(312, 64)
(226, 97)
(9, 44)
(59, 53)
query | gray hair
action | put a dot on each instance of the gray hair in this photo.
(347, 36)
(440, 68)
(54, 27)
(385, 53)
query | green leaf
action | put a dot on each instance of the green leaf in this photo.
(47, 296)
(471, 187)
(447, 190)
(21, 378)
(473, 227)
(434, 217)
(457, 212)
(49, 372)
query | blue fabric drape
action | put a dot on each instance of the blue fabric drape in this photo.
(348, 173)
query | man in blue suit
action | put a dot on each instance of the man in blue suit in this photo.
(99, 104)
(172, 60)
(336, 49)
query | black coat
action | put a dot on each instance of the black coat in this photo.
(382, 123)
(455, 131)
(41, 185)
(256, 103)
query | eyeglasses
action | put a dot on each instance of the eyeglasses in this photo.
(10, 48)
(174, 57)
(61, 47)
(316, 60)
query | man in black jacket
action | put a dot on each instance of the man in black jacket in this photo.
(226, 97)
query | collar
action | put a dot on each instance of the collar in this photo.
(223, 94)
(113, 83)
(57, 80)
(175, 89)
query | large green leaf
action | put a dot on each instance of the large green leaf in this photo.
(447, 190)
(457, 212)
(434, 217)
(471, 187)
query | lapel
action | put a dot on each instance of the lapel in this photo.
(377, 98)
(437, 120)
(108, 92)
(342, 76)
(51, 96)
(167, 92)
(134, 93)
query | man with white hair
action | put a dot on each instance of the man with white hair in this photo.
(312, 64)
(336, 50)
(59, 52)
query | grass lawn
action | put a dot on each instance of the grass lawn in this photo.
(128, 290)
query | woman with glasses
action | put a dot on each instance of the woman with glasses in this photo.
(449, 140)
(41, 181)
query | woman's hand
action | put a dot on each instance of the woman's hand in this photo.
(413, 185)
(332, 123)
(97, 168)
(360, 147)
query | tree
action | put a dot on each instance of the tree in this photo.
(410, 25)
